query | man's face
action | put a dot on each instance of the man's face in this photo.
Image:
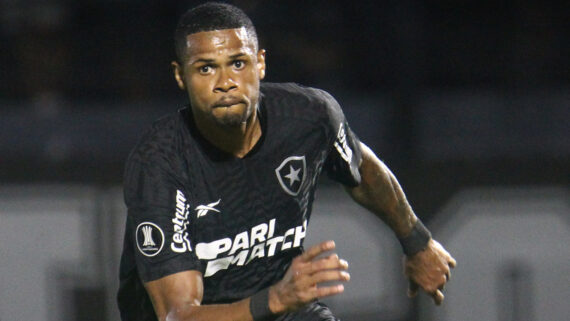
(221, 73)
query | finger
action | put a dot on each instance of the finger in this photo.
(437, 297)
(413, 289)
(329, 263)
(315, 250)
(328, 276)
(447, 276)
(321, 292)
(442, 281)
(452, 263)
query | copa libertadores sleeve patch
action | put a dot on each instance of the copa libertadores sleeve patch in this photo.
(149, 239)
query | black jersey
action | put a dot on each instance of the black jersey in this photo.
(239, 221)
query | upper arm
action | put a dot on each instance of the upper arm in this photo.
(159, 232)
(344, 155)
(380, 192)
(159, 223)
(176, 294)
(377, 185)
(369, 167)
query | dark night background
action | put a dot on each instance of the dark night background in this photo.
(448, 93)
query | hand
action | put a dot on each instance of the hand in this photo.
(429, 269)
(299, 286)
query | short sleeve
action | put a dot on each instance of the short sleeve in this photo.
(343, 161)
(159, 225)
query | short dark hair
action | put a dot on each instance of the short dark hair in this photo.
(208, 17)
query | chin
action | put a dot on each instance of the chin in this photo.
(232, 119)
(230, 122)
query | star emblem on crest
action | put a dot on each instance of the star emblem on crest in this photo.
(291, 174)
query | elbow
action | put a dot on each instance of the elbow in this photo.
(181, 312)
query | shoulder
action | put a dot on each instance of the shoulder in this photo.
(291, 99)
(159, 142)
(294, 91)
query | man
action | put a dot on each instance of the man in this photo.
(219, 194)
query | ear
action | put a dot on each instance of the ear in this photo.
(178, 75)
(261, 63)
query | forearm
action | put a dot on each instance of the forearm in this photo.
(380, 192)
(427, 263)
(237, 311)
(178, 297)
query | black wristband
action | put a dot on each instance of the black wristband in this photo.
(417, 240)
(259, 306)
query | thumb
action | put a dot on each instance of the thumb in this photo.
(413, 289)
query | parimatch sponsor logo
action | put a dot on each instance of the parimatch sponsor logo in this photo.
(258, 242)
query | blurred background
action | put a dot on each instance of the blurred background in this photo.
(468, 102)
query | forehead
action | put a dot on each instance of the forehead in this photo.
(219, 42)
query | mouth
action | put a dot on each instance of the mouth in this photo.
(228, 102)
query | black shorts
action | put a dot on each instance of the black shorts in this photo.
(316, 311)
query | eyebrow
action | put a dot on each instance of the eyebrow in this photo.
(204, 60)
(210, 61)
(240, 54)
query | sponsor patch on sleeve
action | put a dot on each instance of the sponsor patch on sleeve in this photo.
(180, 238)
(341, 144)
(149, 238)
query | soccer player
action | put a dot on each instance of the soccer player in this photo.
(219, 193)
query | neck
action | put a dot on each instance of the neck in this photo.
(238, 140)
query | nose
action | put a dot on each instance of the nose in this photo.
(225, 82)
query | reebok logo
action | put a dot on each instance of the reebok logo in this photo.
(202, 210)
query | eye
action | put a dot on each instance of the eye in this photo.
(205, 69)
(239, 64)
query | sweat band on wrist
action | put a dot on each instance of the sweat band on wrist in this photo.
(417, 240)
(259, 306)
